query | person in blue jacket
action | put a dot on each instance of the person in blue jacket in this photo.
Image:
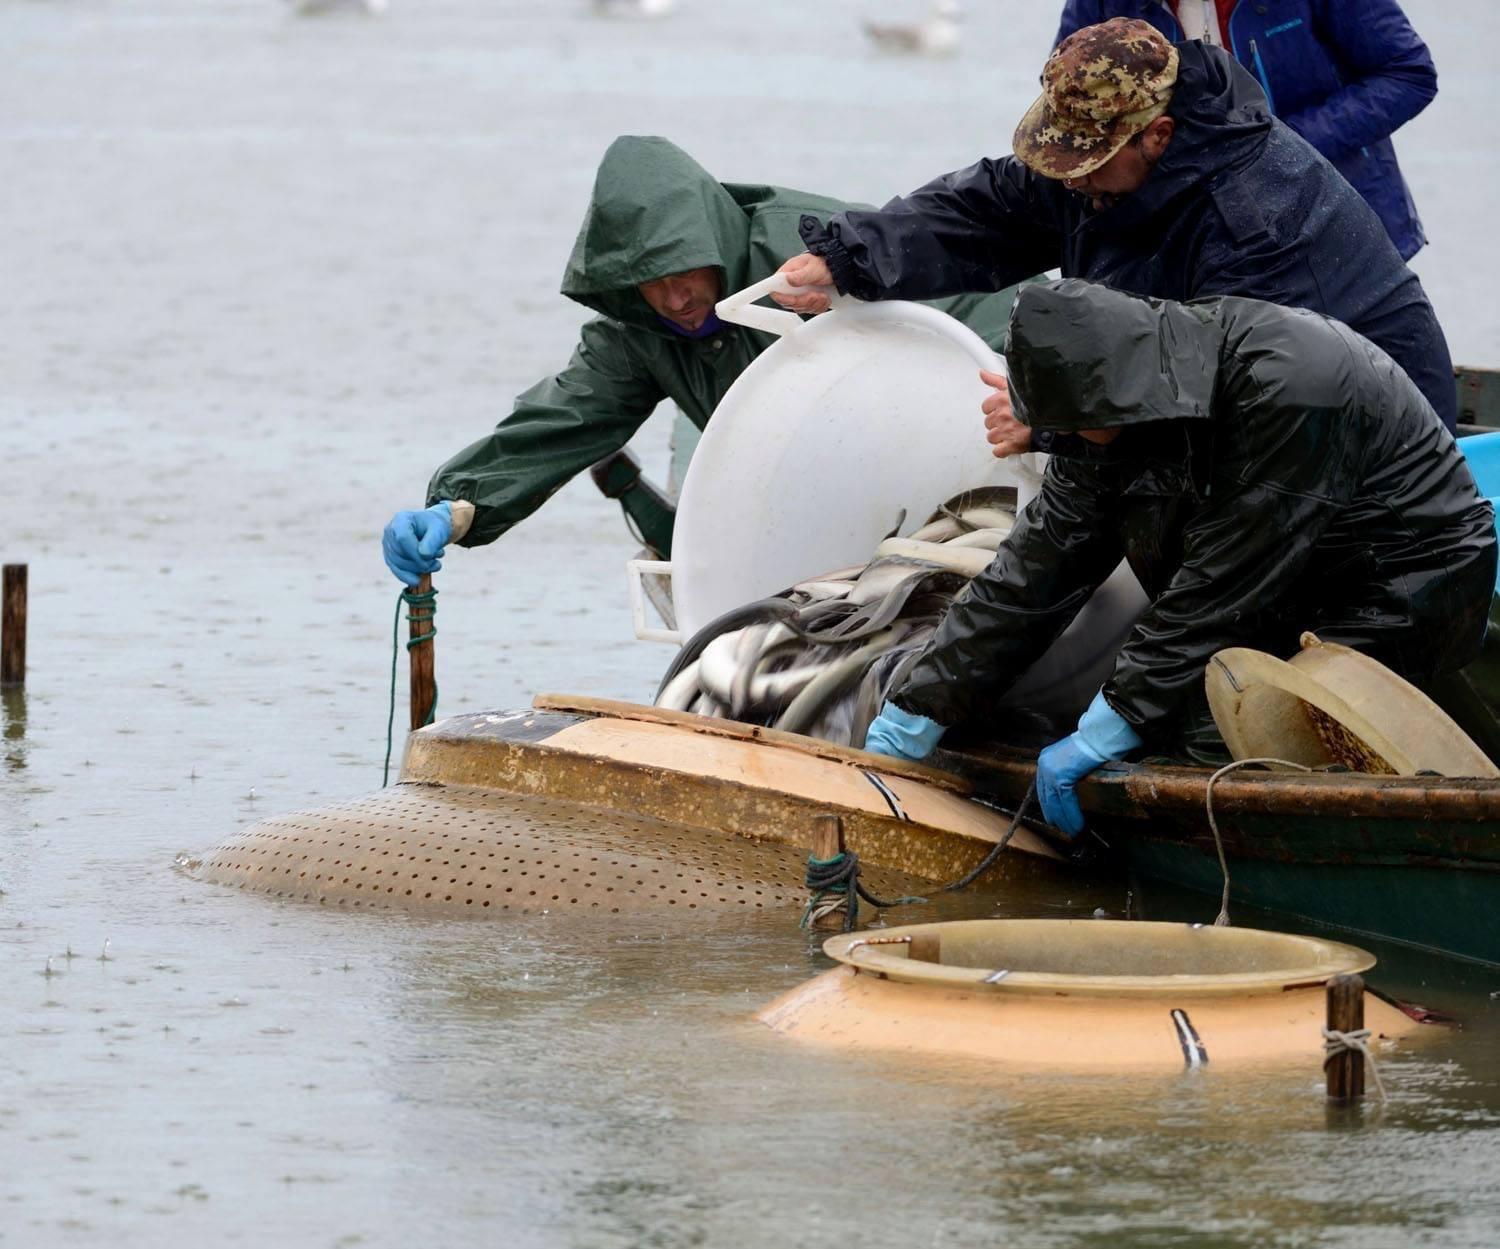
(1344, 74)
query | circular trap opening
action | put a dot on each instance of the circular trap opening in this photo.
(1097, 957)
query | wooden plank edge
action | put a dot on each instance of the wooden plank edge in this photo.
(864, 760)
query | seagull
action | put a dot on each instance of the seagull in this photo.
(633, 8)
(937, 35)
(326, 8)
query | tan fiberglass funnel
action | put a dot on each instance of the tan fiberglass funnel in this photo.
(1333, 705)
(1077, 994)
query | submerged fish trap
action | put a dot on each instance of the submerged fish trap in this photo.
(1077, 994)
(587, 805)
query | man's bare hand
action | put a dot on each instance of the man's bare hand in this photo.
(1006, 435)
(806, 270)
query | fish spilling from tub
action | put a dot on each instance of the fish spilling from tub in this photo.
(819, 657)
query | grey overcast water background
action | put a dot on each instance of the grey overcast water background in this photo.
(258, 276)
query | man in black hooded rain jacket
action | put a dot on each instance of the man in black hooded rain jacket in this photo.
(1230, 201)
(1264, 470)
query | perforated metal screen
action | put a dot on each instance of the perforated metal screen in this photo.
(450, 850)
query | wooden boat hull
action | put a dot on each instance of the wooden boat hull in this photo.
(1412, 859)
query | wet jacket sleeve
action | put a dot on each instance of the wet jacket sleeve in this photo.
(1386, 69)
(1065, 543)
(558, 428)
(979, 229)
(1242, 551)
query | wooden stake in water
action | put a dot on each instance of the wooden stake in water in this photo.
(1346, 1014)
(13, 625)
(420, 657)
(827, 842)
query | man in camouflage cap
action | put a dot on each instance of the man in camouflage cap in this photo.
(1103, 90)
(1155, 169)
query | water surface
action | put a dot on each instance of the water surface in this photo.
(260, 276)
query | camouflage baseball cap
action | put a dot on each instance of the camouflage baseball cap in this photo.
(1102, 86)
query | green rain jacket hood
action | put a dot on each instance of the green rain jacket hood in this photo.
(1275, 473)
(655, 211)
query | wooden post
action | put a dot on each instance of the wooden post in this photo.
(827, 842)
(926, 947)
(827, 836)
(13, 625)
(420, 658)
(1346, 1013)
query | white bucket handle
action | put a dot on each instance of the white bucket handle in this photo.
(635, 569)
(742, 309)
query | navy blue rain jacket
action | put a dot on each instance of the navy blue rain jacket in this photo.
(1344, 74)
(1239, 204)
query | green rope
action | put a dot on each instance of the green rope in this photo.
(833, 884)
(421, 609)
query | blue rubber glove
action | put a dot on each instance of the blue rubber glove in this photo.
(903, 734)
(413, 542)
(1105, 731)
(1058, 769)
(1102, 734)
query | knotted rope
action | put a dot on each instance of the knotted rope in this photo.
(834, 883)
(1358, 1042)
(420, 609)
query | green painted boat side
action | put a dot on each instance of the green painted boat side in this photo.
(1409, 859)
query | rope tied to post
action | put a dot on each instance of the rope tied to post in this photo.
(834, 884)
(829, 881)
(421, 608)
(1356, 1042)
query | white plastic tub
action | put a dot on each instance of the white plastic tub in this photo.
(851, 419)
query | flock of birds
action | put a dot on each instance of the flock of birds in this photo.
(936, 34)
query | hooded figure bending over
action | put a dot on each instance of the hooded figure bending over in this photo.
(1265, 471)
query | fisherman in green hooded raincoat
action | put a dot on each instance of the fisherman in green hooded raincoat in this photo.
(661, 243)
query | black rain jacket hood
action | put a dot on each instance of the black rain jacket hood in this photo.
(1082, 356)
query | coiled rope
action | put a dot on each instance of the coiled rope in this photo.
(834, 883)
(421, 608)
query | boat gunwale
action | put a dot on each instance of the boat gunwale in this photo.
(851, 756)
(1142, 789)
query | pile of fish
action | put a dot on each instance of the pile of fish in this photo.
(819, 657)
